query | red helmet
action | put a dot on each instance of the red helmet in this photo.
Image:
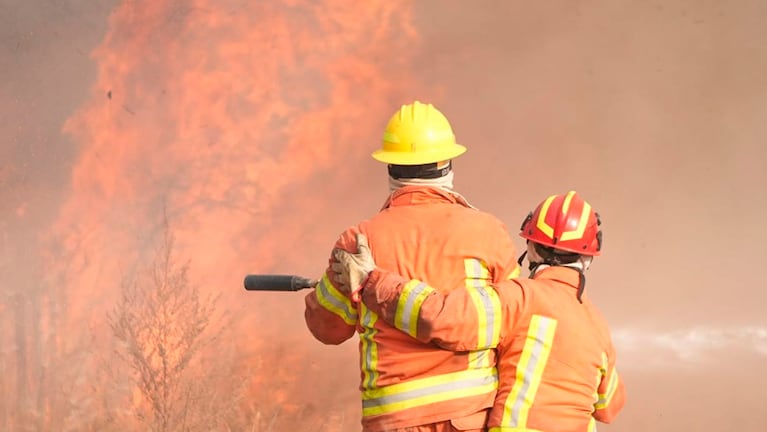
(564, 222)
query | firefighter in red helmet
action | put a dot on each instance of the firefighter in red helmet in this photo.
(562, 231)
(556, 361)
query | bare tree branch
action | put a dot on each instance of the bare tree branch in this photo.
(163, 324)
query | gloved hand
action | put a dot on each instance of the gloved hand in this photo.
(353, 268)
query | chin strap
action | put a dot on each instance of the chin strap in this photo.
(532, 266)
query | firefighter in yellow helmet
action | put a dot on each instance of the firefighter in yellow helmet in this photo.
(418, 146)
(426, 231)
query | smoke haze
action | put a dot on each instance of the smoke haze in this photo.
(250, 125)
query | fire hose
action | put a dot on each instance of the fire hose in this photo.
(276, 282)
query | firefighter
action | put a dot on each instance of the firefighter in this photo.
(556, 360)
(424, 230)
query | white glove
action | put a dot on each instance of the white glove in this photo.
(353, 268)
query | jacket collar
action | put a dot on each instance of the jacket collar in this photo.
(413, 195)
(566, 275)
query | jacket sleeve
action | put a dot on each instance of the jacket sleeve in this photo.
(464, 319)
(515, 297)
(611, 392)
(331, 316)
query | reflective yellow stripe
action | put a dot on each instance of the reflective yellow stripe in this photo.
(488, 307)
(607, 396)
(331, 299)
(409, 306)
(476, 269)
(592, 425)
(601, 371)
(541, 223)
(368, 348)
(566, 203)
(511, 429)
(425, 391)
(532, 363)
(514, 273)
(582, 222)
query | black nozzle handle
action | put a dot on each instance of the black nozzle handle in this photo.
(259, 282)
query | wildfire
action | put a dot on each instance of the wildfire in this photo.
(209, 111)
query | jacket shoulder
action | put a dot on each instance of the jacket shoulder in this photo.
(514, 293)
(481, 218)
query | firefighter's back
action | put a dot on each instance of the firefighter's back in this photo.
(557, 359)
(427, 234)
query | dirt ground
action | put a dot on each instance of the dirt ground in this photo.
(653, 111)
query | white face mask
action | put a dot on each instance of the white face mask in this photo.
(584, 262)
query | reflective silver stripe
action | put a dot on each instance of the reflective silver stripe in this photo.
(406, 308)
(480, 357)
(369, 347)
(538, 345)
(604, 399)
(476, 266)
(489, 314)
(486, 302)
(460, 384)
(335, 302)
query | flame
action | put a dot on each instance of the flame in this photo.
(211, 110)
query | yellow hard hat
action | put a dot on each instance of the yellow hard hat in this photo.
(418, 134)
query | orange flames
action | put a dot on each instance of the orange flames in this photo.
(211, 110)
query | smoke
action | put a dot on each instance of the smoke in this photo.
(211, 111)
(697, 347)
(244, 123)
(250, 124)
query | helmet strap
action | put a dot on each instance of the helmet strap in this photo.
(532, 266)
(521, 258)
(581, 285)
(445, 182)
(425, 171)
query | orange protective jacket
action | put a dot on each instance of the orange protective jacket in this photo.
(556, 360)
(430, 234)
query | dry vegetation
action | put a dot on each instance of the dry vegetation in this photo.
(164, 326)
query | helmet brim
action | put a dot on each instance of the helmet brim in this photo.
(419, 158)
